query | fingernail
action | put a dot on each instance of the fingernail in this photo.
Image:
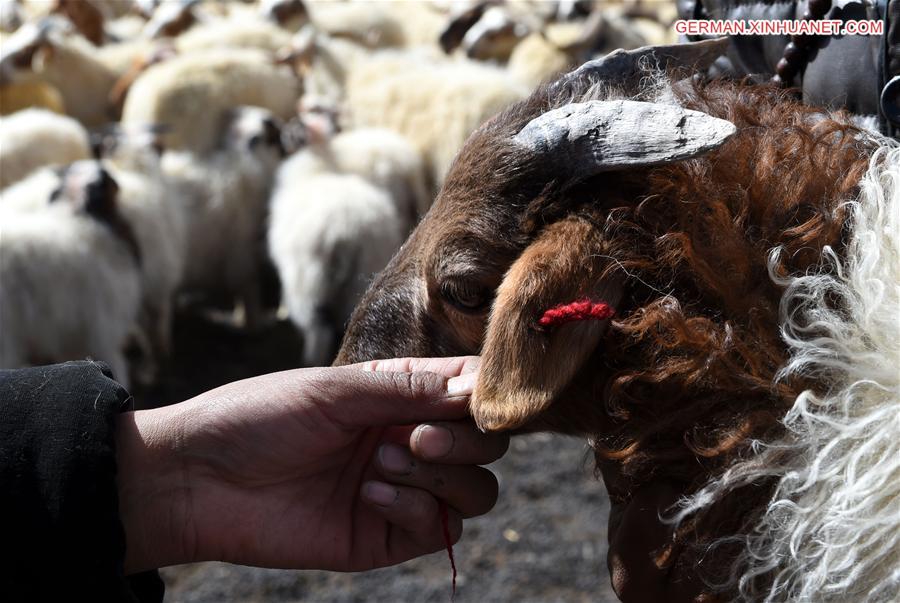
(380, 493)
(462, 385)
(434, 442)
(395, 459)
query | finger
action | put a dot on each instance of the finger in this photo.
(357, 399)
(448, 367)
(469, 489)
(416, 514)
(458, 442)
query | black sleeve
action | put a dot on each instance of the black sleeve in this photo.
(62, 539)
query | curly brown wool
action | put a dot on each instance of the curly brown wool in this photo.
(694, 356)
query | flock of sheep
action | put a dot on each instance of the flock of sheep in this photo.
(156, 153)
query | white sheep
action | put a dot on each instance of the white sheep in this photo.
(69, 277)
(193, 93)
(67, 62)
(382, 157)
(157, 216)
(225, 196)
(436, 105)
(154, 215)
(33, 138)
(322, 62)
(328, 235)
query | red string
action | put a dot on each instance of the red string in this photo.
(582, 309)
(445, 523)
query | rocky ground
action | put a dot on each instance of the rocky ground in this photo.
(544, 542)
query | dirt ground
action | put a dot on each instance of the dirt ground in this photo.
(545, 541)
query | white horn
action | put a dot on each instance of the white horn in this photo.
(602, 136)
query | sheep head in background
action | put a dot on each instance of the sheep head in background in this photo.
(664, 200)
(290, 14)
(21, 48)
(90, 189)
(254, 129)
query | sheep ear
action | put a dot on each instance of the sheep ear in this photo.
(525, 366)
(600, 136)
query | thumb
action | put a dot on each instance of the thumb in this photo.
(355, 398)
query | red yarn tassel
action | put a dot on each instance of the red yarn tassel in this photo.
(445, 523)
(582, 309)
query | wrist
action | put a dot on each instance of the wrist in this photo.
(153, 487)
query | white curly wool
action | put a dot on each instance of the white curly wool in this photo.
(831, 531)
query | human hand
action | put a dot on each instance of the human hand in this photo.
(327, 468)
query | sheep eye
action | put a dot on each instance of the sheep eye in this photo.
(466, 296)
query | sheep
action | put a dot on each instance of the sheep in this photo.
(111, 68)
(225, 194)
(66, 62)
(328, 234)
(153, 213)
(559, 46)
(702, 279)
(322, 62)
(192, 94)
(69, 276)
(289, 14)
(497, 30)
(33, 138)
(151, 205)
(380, 156)
(436, 106)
